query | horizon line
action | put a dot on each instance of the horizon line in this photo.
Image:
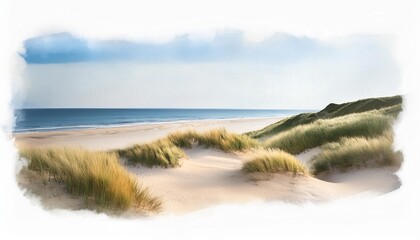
(161, 108)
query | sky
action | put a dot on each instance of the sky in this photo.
(223, 70)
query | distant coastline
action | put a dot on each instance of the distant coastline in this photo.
(62, 119)
(179, 167)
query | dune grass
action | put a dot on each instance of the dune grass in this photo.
(352, 135)
(390, 106)
(166, 152)
(355, 153)
(226, 141)
(184, 139)
(161, 153)
(273, 161)
(300, 138)
(216, 138)
(96, 175)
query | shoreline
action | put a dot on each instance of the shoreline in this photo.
(201, 170)
(104, 138)
(134, 124)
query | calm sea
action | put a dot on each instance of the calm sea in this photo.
(28, 120)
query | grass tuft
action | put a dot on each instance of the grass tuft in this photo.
(273, 161)
(96, 175)
(355, 153)
(226, 141)
(300, 138)
(184, 139)
(166, 152)
(159, 153)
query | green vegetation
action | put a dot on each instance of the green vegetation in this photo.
(184, 139)
(226, 141)
(159, 153)
(96, 175)
(167, 152)
(352, 134)
(300, 138)
(392, 111)
(217, 138)
(388, 105)
(355, 153)
(273, 161)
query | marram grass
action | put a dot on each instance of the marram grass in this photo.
(226, 141)
(96, 175)
(273, 161)
(159, 153)
(357, 152)
(184, 139)
(300, 138)
(166, 152)
(216, 138)
(390, 106)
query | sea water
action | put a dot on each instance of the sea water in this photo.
(29, 120)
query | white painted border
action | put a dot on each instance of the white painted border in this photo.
(387, 217)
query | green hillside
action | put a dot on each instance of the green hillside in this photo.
(390, 106)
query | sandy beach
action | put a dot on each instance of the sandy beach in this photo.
(206, 177)
(119, 137)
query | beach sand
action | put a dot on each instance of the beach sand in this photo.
(207, 177)
(120, 137)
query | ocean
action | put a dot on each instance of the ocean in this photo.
(30, 120)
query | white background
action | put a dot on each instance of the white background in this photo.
(390, 216)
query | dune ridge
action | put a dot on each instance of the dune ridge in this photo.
(308, 157)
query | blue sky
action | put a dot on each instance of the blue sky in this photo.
(226, 71)
(225, 46)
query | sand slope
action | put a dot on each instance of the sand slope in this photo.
(208, 177)
(211, 177)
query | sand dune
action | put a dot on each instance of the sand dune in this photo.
(208, 177)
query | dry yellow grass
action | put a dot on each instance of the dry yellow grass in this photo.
(356, 152)
(159, 153)
(166, 152)
(92, 174)
(216, 138)
(273, 161)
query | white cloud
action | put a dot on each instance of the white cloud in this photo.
(345, 69)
